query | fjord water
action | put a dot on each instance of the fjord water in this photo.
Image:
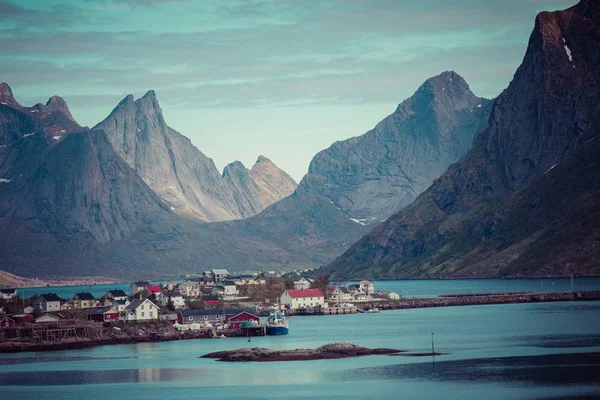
(410, 288)
(528, 351)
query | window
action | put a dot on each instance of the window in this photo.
(143, 306)
(151, 314)
(205, 317)
(142, 313)
(191, 318)
(217, 317)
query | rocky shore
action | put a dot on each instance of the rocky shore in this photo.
(484, 299)
(326, 352)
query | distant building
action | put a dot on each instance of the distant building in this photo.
(141, 311)
(175, 296)
(303, 283)
(23, 318)
(115, 294)
(120, 305)
(46, 318)
(219, 274)
(366, 287)
(302, 298)
(8, 294)
(154, 289)
(227, 290)
(211, 316)
(47, 302)
(84, 300)
(189, 289)
(136, 287)
(210, 299)
(394, 296)
(341, 293)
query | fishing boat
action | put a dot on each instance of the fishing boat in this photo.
(372, 311)
(277, 324)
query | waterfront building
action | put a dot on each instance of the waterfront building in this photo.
(141, 311)
(175, 296)
(211, 316)
(341, 293)
(6, 321)
(366, 287)
(103, 315)
(46, 318)
(303, 283)
(302, 298)
(227, 290)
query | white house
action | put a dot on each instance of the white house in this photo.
(302, 298)
(47, 302)
(366, 287)
(136, 287)
(227, 290)
(8, 294)
(141, 311)
(341, 293)
(120, 305)
(394, 296)
(115, 294)
(189, 289)
(83, 300)
(176, 298)
(303, 283)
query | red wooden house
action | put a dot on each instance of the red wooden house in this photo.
(210, 299)
(104, 315)
(237, 320)
(23, 318)
(6, 321)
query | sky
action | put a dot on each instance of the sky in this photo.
(284, 79)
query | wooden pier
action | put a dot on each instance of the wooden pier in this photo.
(55, 331)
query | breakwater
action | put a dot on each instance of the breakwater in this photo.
(483, 299)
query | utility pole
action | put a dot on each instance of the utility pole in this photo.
(432, 347)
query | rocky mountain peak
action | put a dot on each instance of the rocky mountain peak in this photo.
(6, 94)
(58, 104)
(233, 167)
(262, 159)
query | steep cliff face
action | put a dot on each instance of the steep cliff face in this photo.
(520, 191)
(173, 167)
(374, 175)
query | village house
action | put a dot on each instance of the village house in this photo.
(112, 295)
(120, 305)
(341, 293)
(47, 302)
(8, 294)
(137, 287)
(65, 305)
(394, 296)
(259, 280)
(175, 296)
(29, 310)
(366, 287)
(189, 289)
(83, 300)
(141, 311)
(23, 318)
(302, 298)
(240, 319)
(46, 318)
(303, 283)
(354, 289)
(358, 296)
(208, 277)
(6, 321)
(219, 274)
(154, 289)
(227, 290)
(210, 300)
(212, 316)
(104, 315)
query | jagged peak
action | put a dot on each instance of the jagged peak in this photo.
(150, 94)
(57, 103)
(6, 94)
(439, 84)
(263, 159)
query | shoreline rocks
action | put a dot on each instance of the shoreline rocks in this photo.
(326, 352)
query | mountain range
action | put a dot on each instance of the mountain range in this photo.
(448, 185)
(524, 200)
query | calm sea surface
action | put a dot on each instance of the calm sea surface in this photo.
(411, 288)
(524, 351)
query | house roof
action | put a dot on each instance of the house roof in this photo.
(210, 297)
(8, 291)
(117, 293)
(220, 271)
(343, 290)
(217, 311)
(53, 317)
(303, 293)
(3, 317)
(309, 280)
(137, 302)
(85, 296)
(102, 311)
(228, 283)
(140, 283)
(353, 286)
(50, 297)
(154, 289)
(172, 294)
(375, 296)
(121, 302)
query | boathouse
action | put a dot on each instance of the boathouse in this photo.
(22, 318)
(212, 316)
(210, 300)
(6, 321)
(238, 320)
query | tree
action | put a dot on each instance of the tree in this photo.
(321, 283)
(170, 304)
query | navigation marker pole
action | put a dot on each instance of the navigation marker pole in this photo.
(432, 348)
